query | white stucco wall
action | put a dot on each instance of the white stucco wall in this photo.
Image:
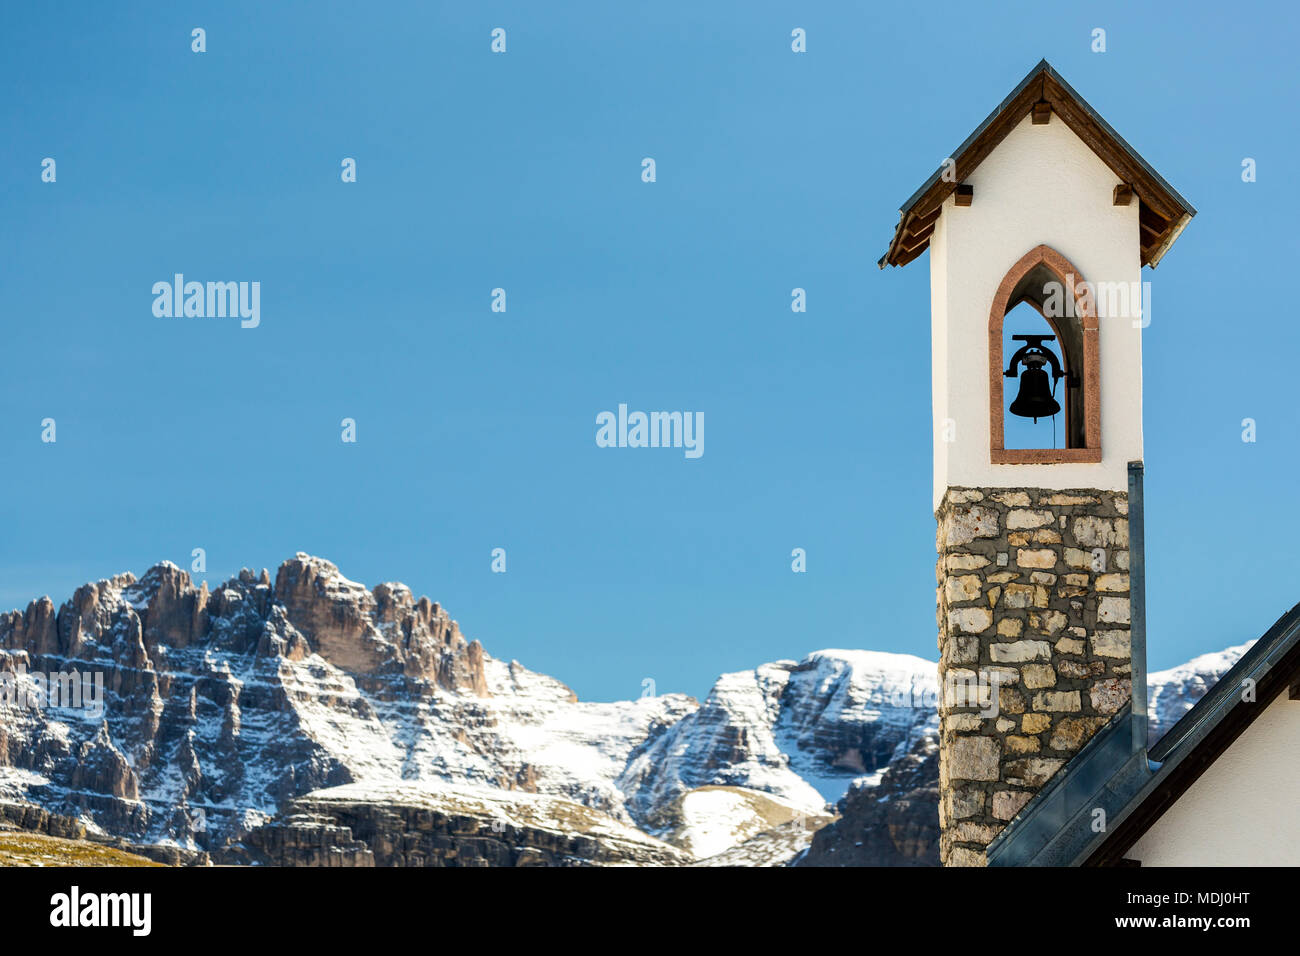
(1245, 809)
(1040, 185)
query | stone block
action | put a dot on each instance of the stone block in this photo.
(1010, 627)
(1012, 499)
(1002, 675)
(1015, 652)
(1021, 519)
(1113, 610)
(970, 620)
(1010, 701)
(1071, 670)
(1112, 644)
(1067, 501)
(1038, 675)
(1022, 745)
(1033, 771)
(1035, 723)
(1058, 701)
(1073, 732)
(1109, 695)
(1007, 803)
(1078, 559)
(973, 758)
(963, 525)
(1049, 622)
(965, 650)
(1093, 532)
(960, 856)
(962, 587)
(971, 832)
(967, 802)
(1036, 558)
(1018, 595)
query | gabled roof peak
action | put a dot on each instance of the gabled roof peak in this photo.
(1163, 213)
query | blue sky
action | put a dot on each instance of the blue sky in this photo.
(523, 171)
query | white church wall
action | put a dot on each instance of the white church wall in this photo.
(1041, 184)
(1245, 809)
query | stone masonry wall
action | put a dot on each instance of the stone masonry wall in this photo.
(1033, 604)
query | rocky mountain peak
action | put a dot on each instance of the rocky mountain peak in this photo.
(310, 608)
(385, 631)
(228, 715)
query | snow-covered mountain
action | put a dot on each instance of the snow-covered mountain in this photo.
(1174, 692)
(800, 731)
(225, 711)
(310, 719)
(895, 823)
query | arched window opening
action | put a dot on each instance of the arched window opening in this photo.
(1043, 354)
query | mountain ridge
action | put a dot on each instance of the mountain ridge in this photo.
(232, 712)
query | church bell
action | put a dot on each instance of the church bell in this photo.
(1035, 399)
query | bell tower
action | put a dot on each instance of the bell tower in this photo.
(1038, 228)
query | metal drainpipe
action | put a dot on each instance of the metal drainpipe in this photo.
(1137, 578)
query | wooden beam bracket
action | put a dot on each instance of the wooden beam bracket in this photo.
(1123, 195)
(1042, 114)
(964, 195)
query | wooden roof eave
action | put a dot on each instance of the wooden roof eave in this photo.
(1176, 230)
(1044, 84)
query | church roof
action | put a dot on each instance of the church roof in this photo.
(1163, 213)
(1135, 788)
